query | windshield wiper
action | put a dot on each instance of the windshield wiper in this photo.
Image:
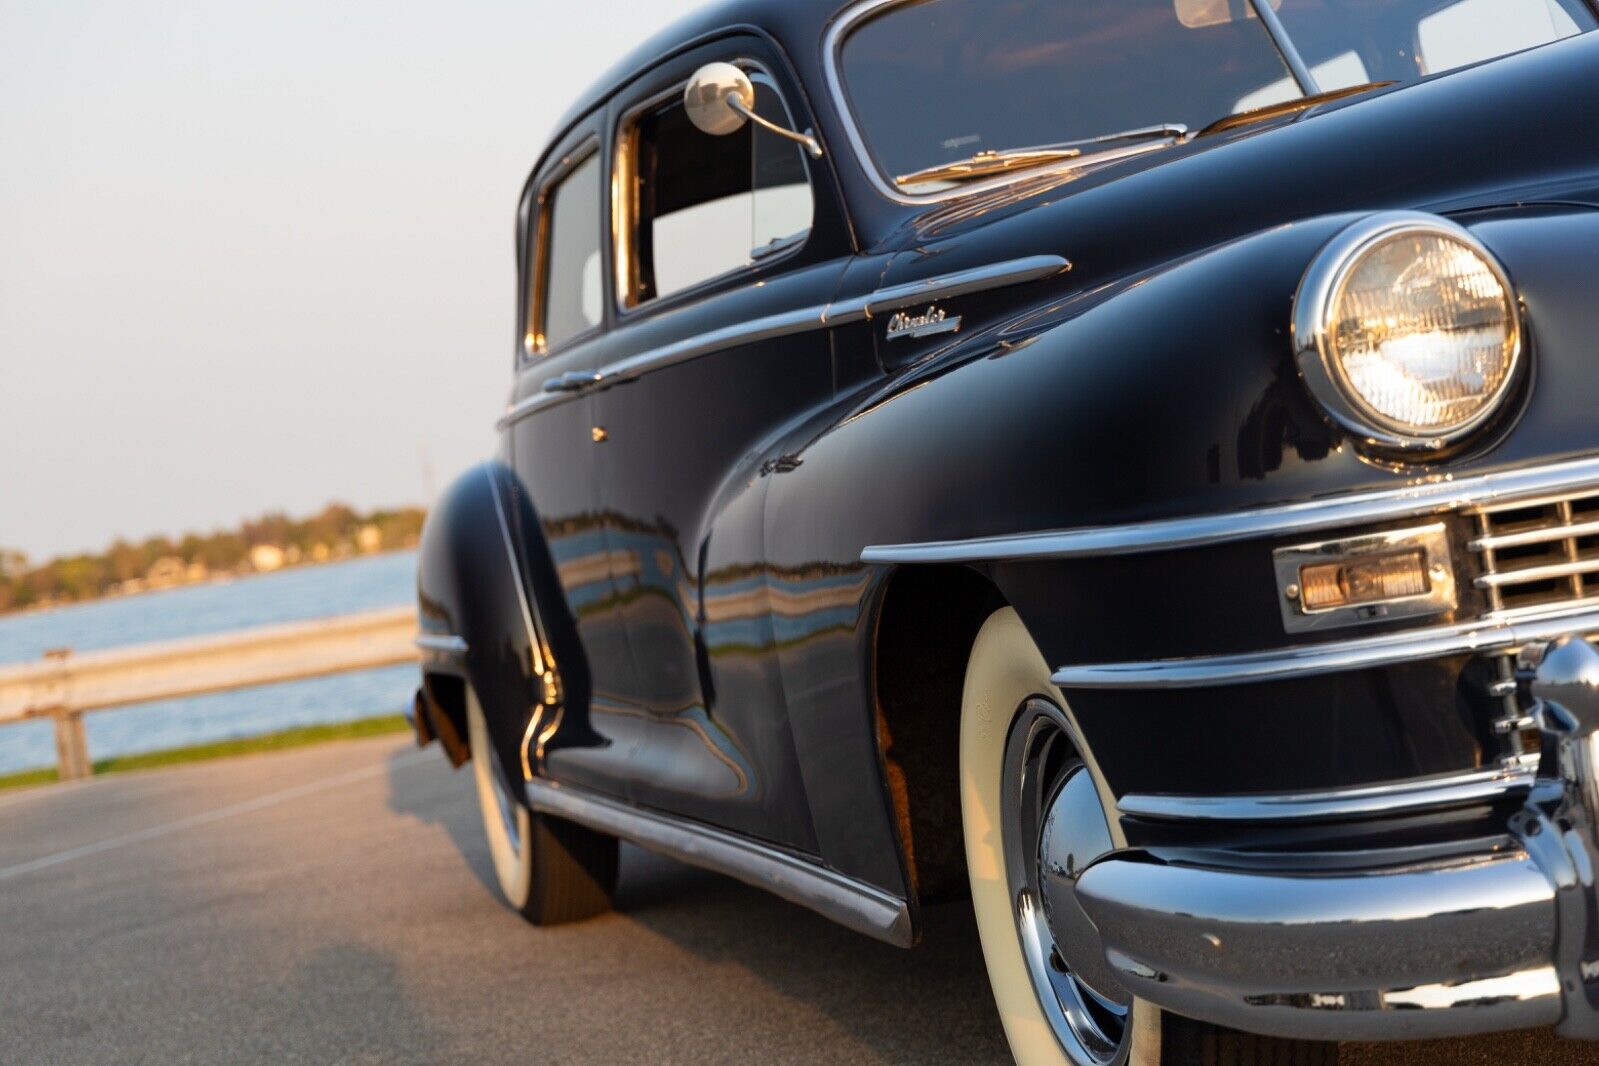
(988, 163)
(1287, 107)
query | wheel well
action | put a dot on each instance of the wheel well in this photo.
(445, 696)
(928, 623)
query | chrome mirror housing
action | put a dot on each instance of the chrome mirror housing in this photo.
(710, 99)
(720, 99)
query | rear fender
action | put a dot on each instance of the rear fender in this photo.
(479, 616)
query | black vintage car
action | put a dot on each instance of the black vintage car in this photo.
(1134, 462)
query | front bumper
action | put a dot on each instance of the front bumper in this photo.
(1498, 931)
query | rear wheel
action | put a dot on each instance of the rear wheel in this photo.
(1034, 811)
(550, 870)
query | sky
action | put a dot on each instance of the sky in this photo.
(257, 255)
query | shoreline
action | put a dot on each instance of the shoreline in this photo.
(216, 579)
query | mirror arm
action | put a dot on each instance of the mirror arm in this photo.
(807, 139)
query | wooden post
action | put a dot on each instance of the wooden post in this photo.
(72, 747)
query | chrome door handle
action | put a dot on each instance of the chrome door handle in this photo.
(573, 381)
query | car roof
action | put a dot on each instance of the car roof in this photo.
(794, 24)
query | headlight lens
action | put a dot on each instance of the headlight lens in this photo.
(1414, 327)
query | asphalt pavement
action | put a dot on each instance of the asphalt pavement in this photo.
(333, 904)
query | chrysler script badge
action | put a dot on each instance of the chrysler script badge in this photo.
(929, 322)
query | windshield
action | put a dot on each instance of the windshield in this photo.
(933, 83)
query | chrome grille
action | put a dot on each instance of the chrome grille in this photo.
(1513, 727)
(1539, 553)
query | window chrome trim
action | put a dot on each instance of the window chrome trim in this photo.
(1431, 495)
(1312, 660)
(854, 904)
(1392, 797)
(821, 316)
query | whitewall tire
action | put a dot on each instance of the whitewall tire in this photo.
(1005, 675)
(549, 870)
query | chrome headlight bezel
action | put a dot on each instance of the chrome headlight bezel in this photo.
(1318, 362)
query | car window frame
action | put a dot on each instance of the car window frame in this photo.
(533, 347)
(623, 212)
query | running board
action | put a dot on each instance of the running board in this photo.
(849, 902)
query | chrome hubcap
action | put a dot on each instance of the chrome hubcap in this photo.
(1054, 827)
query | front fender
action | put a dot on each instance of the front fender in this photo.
(1170, 392)
(1166, 394)
(1175, 394)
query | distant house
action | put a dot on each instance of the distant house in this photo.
(166, 572)
(266, 558)
(369, 538)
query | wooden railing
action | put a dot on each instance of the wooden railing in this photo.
(64, 686)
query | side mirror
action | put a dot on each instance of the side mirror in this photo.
(720, 99)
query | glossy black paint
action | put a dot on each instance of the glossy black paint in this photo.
(698, 573)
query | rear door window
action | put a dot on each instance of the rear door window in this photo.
(568, 282)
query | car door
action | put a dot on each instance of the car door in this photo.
(563, 261)
(727, 251)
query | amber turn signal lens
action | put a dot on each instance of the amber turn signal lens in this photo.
(1364, 579)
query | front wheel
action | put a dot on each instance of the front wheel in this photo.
(550, 870)
(1034, 811)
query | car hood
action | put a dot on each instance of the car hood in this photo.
(1515, 130)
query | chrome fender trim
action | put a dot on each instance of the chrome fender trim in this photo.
(1439, 792)
(1310, 660)
(1422, 496)
(851, 903)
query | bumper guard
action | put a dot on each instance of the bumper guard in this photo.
(1503, 937)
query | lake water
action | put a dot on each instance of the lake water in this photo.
(243, 603)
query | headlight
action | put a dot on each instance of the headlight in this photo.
(1406, 331)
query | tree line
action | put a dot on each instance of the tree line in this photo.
(269, 542)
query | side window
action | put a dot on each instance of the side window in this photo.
(1470, 31)
(695, 206)
(566, 297)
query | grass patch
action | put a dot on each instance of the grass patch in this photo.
(222, 749)
(26, 778)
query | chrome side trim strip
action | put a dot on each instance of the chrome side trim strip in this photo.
(947, 287)
(682, 351)
(854, 904)
(1310, 660)
(1170, 534)
(962, 283)
(446, 645)
(1422, 793)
